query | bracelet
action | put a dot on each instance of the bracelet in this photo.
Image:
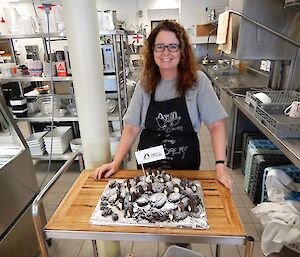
(220, 161)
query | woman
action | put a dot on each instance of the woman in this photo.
(168, 106)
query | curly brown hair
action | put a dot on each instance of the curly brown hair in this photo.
(187, 67)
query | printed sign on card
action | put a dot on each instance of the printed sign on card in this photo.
(150, 154)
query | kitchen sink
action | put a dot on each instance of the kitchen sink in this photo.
(219, 69)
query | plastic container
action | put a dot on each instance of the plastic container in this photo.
(277, 97)
(45, 104)
(176, 251)
(273, 117)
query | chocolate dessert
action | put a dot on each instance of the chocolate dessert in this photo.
(154, 199)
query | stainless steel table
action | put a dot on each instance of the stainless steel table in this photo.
(290, 147)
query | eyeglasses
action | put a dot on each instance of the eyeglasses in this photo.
(159, 48)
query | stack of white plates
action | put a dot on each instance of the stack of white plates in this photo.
(36, 143)
(61, 139)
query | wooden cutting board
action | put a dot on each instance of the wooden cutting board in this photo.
(74, 212)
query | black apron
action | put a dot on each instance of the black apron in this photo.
(168, 123)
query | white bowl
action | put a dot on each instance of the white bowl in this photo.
(76, 144)
(264, 98)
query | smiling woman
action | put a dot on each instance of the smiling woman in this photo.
(168, 106)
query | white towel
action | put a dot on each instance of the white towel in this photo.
(224, 32)
(281, 223)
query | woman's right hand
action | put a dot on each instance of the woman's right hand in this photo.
(106, 170)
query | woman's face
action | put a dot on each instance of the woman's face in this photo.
(167, 58)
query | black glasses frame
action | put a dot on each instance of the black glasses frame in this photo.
(166, 46)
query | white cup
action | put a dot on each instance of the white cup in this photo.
(293, 110)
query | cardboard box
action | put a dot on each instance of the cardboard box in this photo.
(204, 30)
(63, 88)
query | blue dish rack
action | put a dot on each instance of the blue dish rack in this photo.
(247, 136)
(255, 147)
(290, 170)
(259, 164)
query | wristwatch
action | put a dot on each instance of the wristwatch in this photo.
(220, 161)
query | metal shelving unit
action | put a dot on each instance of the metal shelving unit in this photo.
(290, 147)
(34, 79)
(57, 157)
(34, 35)
(118, 39)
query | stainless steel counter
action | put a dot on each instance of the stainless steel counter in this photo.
(235, 105)
(289, 146)
(244, 79)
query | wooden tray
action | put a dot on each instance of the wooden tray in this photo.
(74, 212)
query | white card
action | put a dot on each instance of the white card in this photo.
(150, 154)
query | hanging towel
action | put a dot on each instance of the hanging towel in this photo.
(224, 33)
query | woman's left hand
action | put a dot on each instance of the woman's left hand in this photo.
(224, 177)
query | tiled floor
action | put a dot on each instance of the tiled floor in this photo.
(82, 248)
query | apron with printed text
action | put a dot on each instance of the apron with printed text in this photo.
(168, 123)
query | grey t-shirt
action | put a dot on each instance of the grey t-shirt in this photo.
(202, 102)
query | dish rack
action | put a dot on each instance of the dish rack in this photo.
(294, 247)
(273, 117)
(259, 163)
(277, 97)
(255, 147)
